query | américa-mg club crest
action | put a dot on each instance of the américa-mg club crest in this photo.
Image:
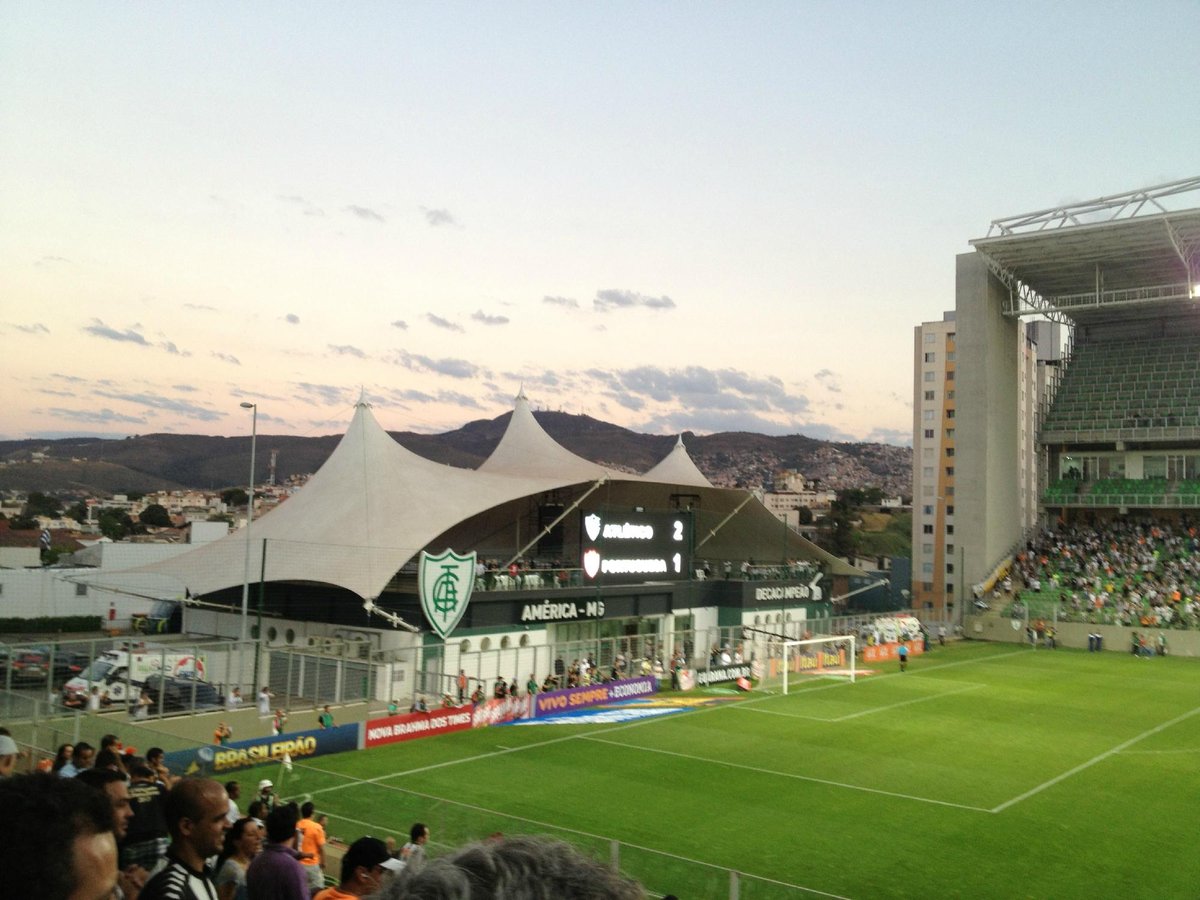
(445, 583)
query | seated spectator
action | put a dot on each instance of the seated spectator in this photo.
(514, 867)
(364, 865)
(56, 839)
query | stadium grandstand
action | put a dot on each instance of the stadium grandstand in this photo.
(1116, 440)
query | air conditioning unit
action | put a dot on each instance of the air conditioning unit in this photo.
(332, 645)
(362, 650)
(314, 641)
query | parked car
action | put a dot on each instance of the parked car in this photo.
(67, 663)
(25, 665)
(177, 692)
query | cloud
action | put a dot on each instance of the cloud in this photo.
(170, 347)
(364, 212)
(325, 393)
(896, 436)
(130, 335)
(292, 319)
(441, 398)
(186, 388)
(452, 368)
(35, 328)
(54, 393)
(305, 206)
(436, 217)
(185, 408)
(346, 350)
(95, 416)
(442, 323)
(481, 316)
(566, 302)
(401, 324)
(200, 306)
(225, 357)
(611, 299)
(829, 380)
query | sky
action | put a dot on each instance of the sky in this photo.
(703, 216)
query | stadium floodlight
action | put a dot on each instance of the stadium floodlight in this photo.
(249, 517)
(830, 656)
(1196, 291)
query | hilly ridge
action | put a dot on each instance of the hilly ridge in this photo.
(94, 466)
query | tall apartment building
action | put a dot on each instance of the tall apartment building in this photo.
(938, 554)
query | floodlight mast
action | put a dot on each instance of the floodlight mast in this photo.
(249, 518)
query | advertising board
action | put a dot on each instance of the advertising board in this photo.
(554, 702)
(406, 727)
(300, 745)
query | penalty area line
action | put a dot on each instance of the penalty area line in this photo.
(1095, 759)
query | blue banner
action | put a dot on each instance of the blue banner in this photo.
(214, 761)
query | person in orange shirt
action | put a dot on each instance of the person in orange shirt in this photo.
(311, 846)
(363, 869)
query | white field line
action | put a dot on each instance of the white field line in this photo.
(809, 778)
(1095, 759)
(865, 712)
(552, 827)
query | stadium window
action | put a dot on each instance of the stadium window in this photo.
(81, 590)
(929, 395)
(950, 433)
(949, 568)
(928, 415)
(930, 337)
(927, 510)
(949, 356)
(950, 471)
(949, 395)
(464, 646)
(950, 375)
(930, 357)
(926, 529)
(949, 510)
(290, 635)
(929, 376)
(504, 642)
(272, 633)
(524, 640)
(927, 472)
(949, 589)
(950, 491)
(949, 451)
(927, 548)
(927, 585)
(927, 490)
(949, 549)
(485, 644)
(949, 414)
(929, 431)
(949, 529)
(927, 568)
(926, 453)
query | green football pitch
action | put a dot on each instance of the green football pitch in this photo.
(986, 770)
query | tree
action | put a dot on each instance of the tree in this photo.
(39, 504)
(234, 497)
(156, 516)
(115, 524)
(78, 512)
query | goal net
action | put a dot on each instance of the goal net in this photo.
(831, 656)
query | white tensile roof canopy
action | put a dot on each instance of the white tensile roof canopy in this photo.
(374, 505)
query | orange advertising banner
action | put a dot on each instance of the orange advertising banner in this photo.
(883, 652)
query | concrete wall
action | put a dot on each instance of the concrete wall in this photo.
(1075, 634)
(987, 507)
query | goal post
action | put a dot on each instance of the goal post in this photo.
(831, 656)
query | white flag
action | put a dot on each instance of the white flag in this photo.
(287, 761)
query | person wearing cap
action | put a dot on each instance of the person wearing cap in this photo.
(363, 868)
(8, 755)
(266, 793)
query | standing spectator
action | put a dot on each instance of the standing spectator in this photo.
(312, 847)
(462, 686)
(902, 651)
(195, 811)
(264, 701)
(243, 841)
(93, 700)
(363, 866)
(412, 854)
(222, 733)
(82, 758)
(234, 700)
(112, 786)
(233, 790)
(8, 755)
(279, 722)
(267, 795)
(325, 719)
(531, 686)
(56, 840)
(146, 839)
(276, 874)
(155, 759)
(942, 635)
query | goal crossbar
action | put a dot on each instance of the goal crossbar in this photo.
(831, 656)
